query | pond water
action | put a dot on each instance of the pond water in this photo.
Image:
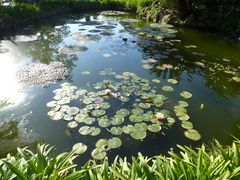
(205, 65)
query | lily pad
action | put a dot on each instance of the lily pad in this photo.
(137, 111)
(73, 110)
(186, 94)
(128, 129)
(57, 116)
(144, 105)
(192, 134)
(101, 143)
(167, 88)
(183, 104)
(123, 112)
(105, 105)
(104, 122)
(116, 130)
(123, 99)
(141, 126)
(72, 124)
(171, 120)
(99, 153)
(135, 118)
(79, 148)
(117, 120)
(52, 104)
(68, 117)
(156, 81)
(85, 130)
(236, 79)
(114, 143)
(98, 112)
(173, 81)
(89, 120)
(187, 125)
(64, 100)
(154, 128)
(96, 132)
(81, 117)
(184, 117)
(139, 135)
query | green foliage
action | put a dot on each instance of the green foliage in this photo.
(215, 162)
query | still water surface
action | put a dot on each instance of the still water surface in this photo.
(214, 108)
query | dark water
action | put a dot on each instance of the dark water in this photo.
(26, 121)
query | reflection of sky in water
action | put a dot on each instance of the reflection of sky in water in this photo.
(10, 88)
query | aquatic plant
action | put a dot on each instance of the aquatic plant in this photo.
(145, 111)
(206, 162)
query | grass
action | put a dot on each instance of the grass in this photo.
(204, 163)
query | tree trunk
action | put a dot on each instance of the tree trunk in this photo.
(182, 9)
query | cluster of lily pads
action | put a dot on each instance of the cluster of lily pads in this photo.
(157, 31)
(95, 113)
(150, 63)
(113, 13)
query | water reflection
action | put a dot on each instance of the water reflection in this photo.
(10, 88)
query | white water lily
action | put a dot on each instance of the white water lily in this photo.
(159, 116)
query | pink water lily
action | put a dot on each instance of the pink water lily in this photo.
(159, 116)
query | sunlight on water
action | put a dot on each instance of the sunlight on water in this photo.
(10, 88)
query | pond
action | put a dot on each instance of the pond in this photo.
(137, 86)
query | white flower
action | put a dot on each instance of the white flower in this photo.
(159, 116)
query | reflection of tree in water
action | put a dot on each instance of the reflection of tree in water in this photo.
(216, 80)
(12, 136)
(45, 49)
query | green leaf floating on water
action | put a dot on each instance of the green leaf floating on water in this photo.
(79, 148)
(114, 143)
(167, 88)
(123, 112)
(52, 104)
(117, 120)
(187, 125)
(185, 117)
(98, 112)
(128, 129)
(236, 79)
(171, 120)
(141, 126)
(89, 120)
(72, 124)
(154, 128)
(173, 81)
(101, 143)
(138, 135)
(116, 130)
(135, 118)
(104, 122)
(99, 153)
(96, 132)
(192, 134)
(186, 94)
(144, 105)
(137, 111)
(85, 130)
(183, 104)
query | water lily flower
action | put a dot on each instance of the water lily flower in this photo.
(159, 116)
(107, 91)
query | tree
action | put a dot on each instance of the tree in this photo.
(182, 8)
